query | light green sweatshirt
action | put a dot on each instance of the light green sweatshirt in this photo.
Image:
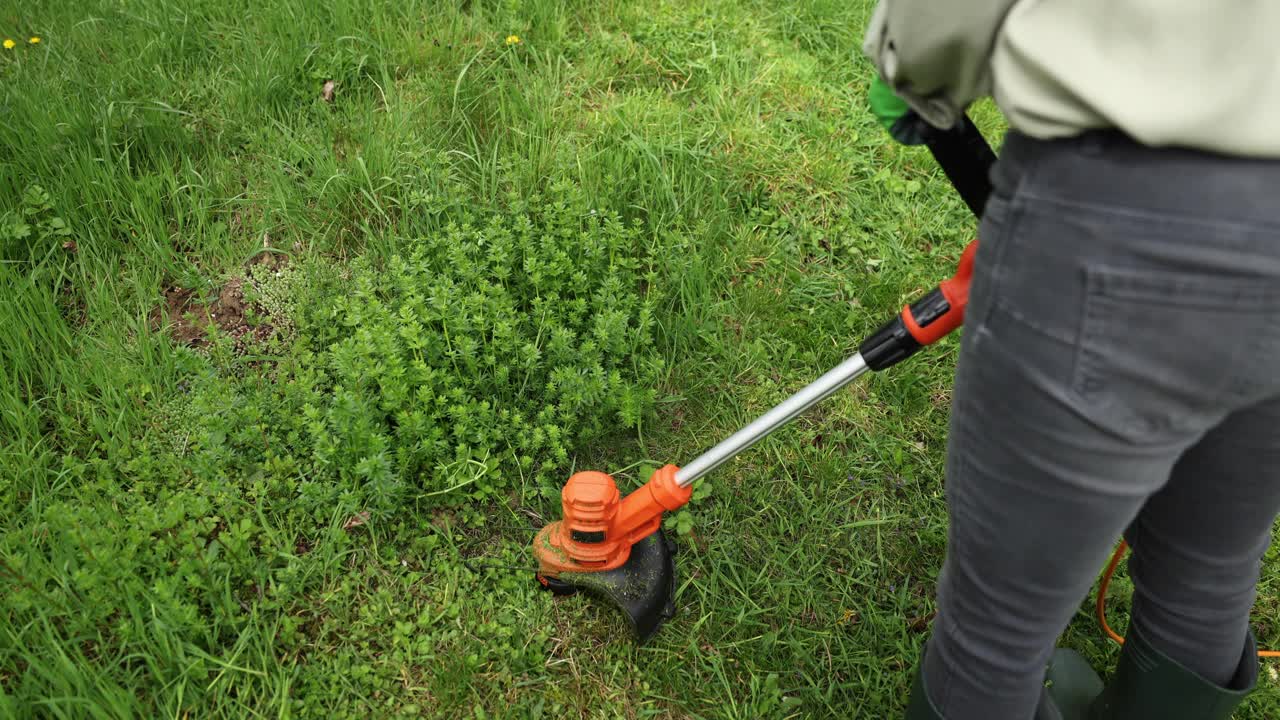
(1191, 73)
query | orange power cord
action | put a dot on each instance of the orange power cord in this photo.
(1116, 557)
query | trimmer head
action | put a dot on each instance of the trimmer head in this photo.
(613, 547)
(643, 587)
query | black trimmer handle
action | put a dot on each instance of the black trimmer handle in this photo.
(966, 158)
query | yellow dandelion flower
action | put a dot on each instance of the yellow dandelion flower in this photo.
(34, 39)
(8, 44)
(513, 39)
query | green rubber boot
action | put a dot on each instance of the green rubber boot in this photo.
(920, 707)
(1070, 686)
(1148, 685)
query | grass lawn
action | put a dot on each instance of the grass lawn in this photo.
(293, 371)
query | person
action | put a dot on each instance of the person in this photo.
(1119, 368)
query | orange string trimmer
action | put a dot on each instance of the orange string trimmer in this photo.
(1116, 557)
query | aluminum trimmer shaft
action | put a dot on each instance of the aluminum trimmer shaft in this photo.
(966, 158)
(812, 394)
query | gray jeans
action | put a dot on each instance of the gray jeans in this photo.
(1119, 374)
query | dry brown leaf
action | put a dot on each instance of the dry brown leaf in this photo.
(356, 520)
(921, 624)
(327, 93)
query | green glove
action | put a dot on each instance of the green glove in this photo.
(903, 124)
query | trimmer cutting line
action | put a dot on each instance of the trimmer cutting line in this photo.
(614, 547)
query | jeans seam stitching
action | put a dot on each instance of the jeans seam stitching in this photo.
(1016, 210)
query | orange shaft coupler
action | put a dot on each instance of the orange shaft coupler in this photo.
(925, 321)
(598, 529)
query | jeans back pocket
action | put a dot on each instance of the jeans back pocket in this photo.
(1164, 353)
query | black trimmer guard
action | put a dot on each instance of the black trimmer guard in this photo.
(643, 588)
